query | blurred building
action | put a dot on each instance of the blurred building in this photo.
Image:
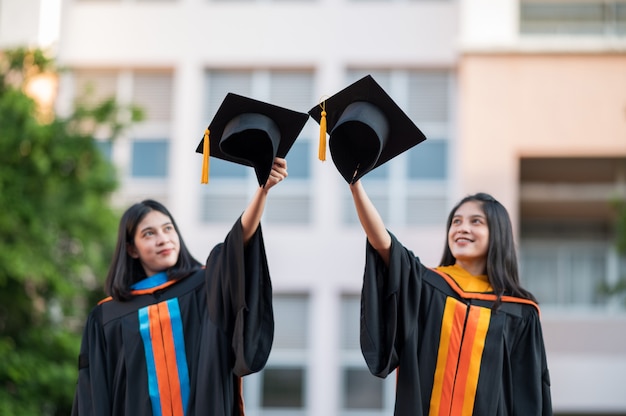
(522, 99)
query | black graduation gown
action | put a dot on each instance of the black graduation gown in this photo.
(181, 348)
(454, 355)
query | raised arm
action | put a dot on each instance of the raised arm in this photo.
(252, 215)
(372, 223)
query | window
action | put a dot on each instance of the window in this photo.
(124, 1)
(95, 85)
(222, 208)
(380, 173)
(218, 83)
(149, 159)
(149, 90)
(257, 1)
(378, 192)
(147, 150)
(565, 272)
(397, 1)
(595, 18)
(106, 149)
(293, 89)
(429, 161)
(567, 248)
(291, 318)
(428, 100)
(283, 388)
(426, 210)
(280, 388)
(223, 169)
(299, 160)
(292, 200)
(620, 21)
(152, 91)
(360, 390)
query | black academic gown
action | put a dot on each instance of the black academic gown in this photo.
(453, 354)
(181, 348)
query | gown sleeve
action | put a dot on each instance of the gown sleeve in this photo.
(389, 305)
(240, 298)
(530, 382)
(92, 396)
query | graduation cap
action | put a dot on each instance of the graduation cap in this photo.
(250, 133)
(367, 128)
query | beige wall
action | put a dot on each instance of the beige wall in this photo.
(533, 105)
(514, 105)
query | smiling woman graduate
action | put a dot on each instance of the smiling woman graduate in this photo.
(174, 337)
(464, 338)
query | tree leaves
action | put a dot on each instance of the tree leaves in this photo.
(57, 232)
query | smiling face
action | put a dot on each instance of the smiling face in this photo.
(156, 243)
(468, 237)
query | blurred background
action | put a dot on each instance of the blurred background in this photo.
(523, 99)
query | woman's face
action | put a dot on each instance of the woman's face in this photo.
(156, 243)
(468, 236)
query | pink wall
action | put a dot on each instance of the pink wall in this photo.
(514, 105)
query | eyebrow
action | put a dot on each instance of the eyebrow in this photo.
(470, 216)
(151, 227)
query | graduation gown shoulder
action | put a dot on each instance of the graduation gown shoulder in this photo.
(182, 347)
(453, 353)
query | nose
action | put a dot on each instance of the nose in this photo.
(162, 238)
(461, 227)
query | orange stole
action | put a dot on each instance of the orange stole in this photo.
(168, 377)
(461, 344)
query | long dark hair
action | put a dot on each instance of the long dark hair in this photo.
(502, 268)
(126, 270)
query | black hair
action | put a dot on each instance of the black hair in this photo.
(502, 267)
(125, 270)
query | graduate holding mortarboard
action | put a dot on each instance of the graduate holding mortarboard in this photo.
(175, 337)
(464, 338)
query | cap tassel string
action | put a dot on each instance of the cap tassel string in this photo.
(205, 159)
(356, 172)
(322, 145)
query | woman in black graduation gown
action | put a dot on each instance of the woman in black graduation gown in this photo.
(175, 338)
(464, 338)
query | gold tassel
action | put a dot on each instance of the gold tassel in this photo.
(322, 146)
(205, 159)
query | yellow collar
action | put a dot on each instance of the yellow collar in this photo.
(466, 281)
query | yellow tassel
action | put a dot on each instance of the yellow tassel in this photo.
(205, 159)
(322, 146)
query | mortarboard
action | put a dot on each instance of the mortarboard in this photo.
(367, 128)
(250, 132)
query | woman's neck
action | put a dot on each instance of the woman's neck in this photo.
(473, 267)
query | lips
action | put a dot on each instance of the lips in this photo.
(463, 240)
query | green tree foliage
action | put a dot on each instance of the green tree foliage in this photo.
(619, 288)
(621, 226)
(57, 233)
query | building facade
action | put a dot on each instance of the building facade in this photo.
(544, 106)
(523, 99)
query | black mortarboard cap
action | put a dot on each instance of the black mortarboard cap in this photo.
(366, 127)
(252, 133)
